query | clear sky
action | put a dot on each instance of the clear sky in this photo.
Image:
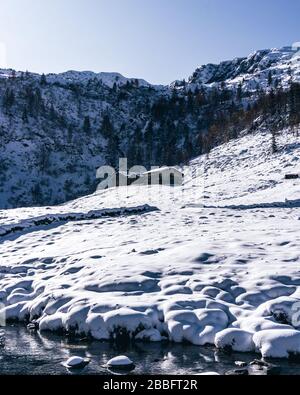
(159, 40)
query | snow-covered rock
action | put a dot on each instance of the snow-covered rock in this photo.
(120, 362)
(209, 374)
(76, 363)
(152, 335)
(235, 339)
(278, 343)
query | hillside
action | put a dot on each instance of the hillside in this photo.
(56, 130)
(204, 263)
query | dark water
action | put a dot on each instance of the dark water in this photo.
(30, 353)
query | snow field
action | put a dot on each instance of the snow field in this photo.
(221, 270)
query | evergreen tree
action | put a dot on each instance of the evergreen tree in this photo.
(37, 194)
(34, 100)
(25, 116)
(43, 81)
(239, 93)
(106, 127)
(294, 104)
(270, 78)
(149, 140)
(8, 98)
(68, 189)
(274, 147)
(87, 125)
(70, 135)
(52, 114)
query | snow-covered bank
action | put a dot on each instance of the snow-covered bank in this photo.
(200, 269)
(69, 217)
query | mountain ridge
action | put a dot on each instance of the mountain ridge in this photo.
(262, 58)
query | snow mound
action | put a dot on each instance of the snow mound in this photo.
(278, 343)
(235, 339)
(120, 361)
(76, 362)
(209, 374)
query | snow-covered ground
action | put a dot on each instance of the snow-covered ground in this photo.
(217, 261)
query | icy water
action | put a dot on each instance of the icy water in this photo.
(30, 353)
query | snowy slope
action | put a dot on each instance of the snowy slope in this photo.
(252, 72)
(215, 263)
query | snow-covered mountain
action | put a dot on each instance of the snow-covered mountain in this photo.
(56, 130)
(252, 73)
(214, 262)
(108, 79)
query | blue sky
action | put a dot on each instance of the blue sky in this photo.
(159, 40)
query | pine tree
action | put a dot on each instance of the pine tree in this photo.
(37, 194)
(68, 189)
(270, 78)
(52, 114)
(113, 150)
(294, 104)
(274, 147)
(25, 116)
(8, 98)
(149, 139)
(70, 135)
(87, 125)
(190, 102)
(106, 127)
(239, 93)
(34, 100)
(43, 81)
